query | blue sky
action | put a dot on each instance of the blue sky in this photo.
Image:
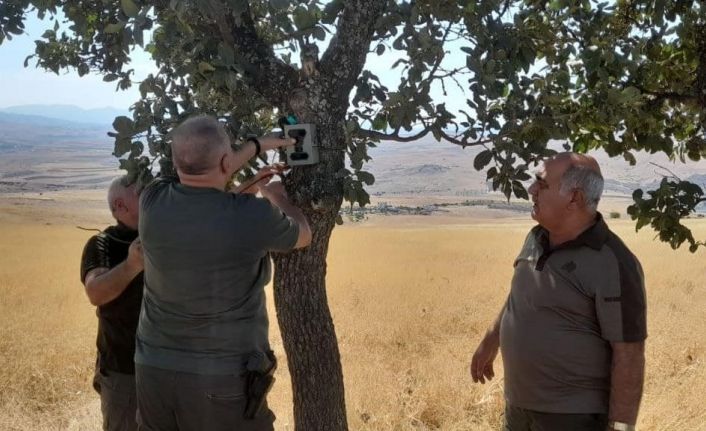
(25, 86)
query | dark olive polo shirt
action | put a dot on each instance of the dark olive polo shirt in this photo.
(565, 307)
(206, 267)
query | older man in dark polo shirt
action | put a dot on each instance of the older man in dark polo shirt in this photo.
(204, 325)
(573, 328)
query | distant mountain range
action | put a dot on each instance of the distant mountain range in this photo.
(19, 132)
(67, 113)
(63, 134)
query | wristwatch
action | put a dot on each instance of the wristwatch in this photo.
(620, 426)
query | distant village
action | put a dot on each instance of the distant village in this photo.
(357, 213)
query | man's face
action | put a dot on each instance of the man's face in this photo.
(550, 206)
(130, 208)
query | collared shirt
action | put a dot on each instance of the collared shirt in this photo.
(565, 306)
(206, 267)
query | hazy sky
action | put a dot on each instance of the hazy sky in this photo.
(24, 86)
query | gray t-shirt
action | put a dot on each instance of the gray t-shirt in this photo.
(565, 307)
(206, 265)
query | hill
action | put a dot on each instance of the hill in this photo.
(70, 113)
(41, 153)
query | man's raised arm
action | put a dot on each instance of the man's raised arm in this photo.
(276, 194)
(104, 284)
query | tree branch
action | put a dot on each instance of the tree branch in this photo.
(344, 59)
(373, 134)
(439, 60)
(663, 95)
(268, 74)
(672, 174)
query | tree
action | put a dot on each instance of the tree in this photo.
(623, 76)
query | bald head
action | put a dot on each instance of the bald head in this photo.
(577, 160)
(580, 172)
(198, 144)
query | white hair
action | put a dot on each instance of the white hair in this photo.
(116, 190)
(585, 179)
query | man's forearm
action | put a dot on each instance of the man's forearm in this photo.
(244, 153)
(296, 214)
(627, 376)
(105, 287)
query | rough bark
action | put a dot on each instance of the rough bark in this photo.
(300, 287)
(308, 333)
(300, 278)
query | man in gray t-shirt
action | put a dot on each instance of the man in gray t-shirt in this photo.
(573, 328)
(203, 324)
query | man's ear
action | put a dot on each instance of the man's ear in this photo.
(119, 206)
(225, 164)
(578, 198)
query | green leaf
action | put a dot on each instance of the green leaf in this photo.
(279, 4)
(482, 159)
(123, 125)
(366, 177)
(492, 173)
(122, 146)
(115, 27)
(519, 190)
(363, 198)
(319, 33)
(379, 123)
(380, 49)
(130, 8)
(630, 158)
(629, 94)
(303, 18)
(331, 11)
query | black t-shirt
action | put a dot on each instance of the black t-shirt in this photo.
(117, 320)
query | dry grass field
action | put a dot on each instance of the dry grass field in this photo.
(410, 300)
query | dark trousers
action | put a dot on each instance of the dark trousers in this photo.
(175, 401)
(518, 419)
(118, 400)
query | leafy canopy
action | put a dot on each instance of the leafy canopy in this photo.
(623, 76)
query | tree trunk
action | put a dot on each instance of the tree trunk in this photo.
(308, 333)
(300, 288)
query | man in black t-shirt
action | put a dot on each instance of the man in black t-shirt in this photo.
(111, 271)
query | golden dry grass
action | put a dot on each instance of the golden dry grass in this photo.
(409, 303)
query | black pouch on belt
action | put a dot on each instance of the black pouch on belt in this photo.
(257, 385)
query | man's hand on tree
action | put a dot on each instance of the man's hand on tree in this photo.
(274, 192)
(261, 178)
